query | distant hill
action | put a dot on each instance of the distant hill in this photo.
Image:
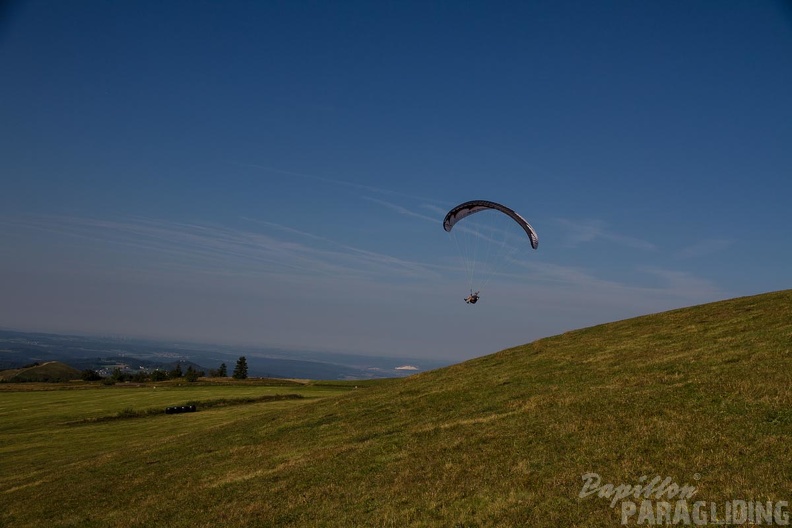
(49, 371)
(103, 354)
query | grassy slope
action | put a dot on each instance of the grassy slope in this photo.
(51, 370)
(703, 395)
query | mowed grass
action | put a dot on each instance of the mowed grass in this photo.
(48, 433)
(702, 395)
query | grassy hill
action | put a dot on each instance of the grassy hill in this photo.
(49, 371)
(702, 395)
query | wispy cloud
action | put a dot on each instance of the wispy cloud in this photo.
(579, 232)
(650, 282)
(277, 249)
(705, 247)
(436, 211)
(404, 211)
(685, 285)
(371, 189)
(555, 273)
(323, 179)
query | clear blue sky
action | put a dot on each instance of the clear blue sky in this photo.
(276, 173)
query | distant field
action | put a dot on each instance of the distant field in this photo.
(702, 396)
(29, 407)
(44, 439)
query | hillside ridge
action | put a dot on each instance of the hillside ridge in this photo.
(504, 439)
(701, 396)
(46, 371)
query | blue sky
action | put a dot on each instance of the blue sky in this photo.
(276, 173)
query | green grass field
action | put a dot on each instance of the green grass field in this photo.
(701, 395)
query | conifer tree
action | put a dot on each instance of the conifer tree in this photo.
(241, 369)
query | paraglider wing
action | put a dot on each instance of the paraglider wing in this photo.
(468, 208)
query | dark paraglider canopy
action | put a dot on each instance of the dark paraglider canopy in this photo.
(466, 209)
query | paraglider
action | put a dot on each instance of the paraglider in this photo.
(500, 242)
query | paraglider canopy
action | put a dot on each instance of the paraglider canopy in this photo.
(466, 209)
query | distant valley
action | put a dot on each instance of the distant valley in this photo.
(103, 354)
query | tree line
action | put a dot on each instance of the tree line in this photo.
(191, 374)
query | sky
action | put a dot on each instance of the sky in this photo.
(276, 173)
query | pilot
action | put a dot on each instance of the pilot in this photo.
(472, 298)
